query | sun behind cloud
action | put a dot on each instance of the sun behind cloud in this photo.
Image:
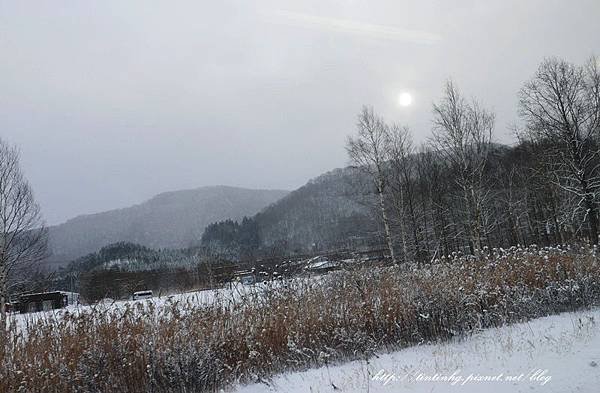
(405, 99)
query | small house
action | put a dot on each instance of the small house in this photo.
(45, 301)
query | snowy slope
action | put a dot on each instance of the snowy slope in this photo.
(559, 353)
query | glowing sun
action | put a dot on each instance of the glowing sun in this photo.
(405, 99)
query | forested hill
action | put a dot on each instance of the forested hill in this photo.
(335, 210)
(425, 205)
(331, 211)
(169, 220)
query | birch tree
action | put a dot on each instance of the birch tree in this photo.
(399, 151)
(462, 135)
(561, 108)
(368, 150)
(22, 234)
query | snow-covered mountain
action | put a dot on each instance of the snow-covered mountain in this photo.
(169, 220)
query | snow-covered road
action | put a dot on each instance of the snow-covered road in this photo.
(559, 353)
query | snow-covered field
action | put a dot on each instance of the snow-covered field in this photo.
(230, 293)
(234, 292)
(558, 353)
(196, 297)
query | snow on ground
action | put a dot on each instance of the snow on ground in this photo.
(236, 292)
(559, 353)
(194, 297)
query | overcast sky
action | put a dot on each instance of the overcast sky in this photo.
(112, 102)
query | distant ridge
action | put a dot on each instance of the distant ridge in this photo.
(173, 219)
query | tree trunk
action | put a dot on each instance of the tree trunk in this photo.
(413, 223)
(590, 205)
(476, 222)
(3, 297)
(559, 235)
(399, 208)
(386, 224)
(593, 221)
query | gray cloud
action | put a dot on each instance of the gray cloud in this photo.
(352, 27)
(112, 102)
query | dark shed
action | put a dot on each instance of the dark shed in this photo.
(45, 301)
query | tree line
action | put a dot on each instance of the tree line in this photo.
(462, 192)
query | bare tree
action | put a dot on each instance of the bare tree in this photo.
(22, 233)
(440, 229)
(462, 135)
(368, 150)
(561, 108)
(399, 151)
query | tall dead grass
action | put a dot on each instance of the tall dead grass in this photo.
(189, 347)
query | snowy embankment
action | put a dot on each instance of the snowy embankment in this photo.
(559, 353)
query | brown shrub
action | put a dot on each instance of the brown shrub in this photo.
(183, 346)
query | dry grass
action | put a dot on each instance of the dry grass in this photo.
(187, 347)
